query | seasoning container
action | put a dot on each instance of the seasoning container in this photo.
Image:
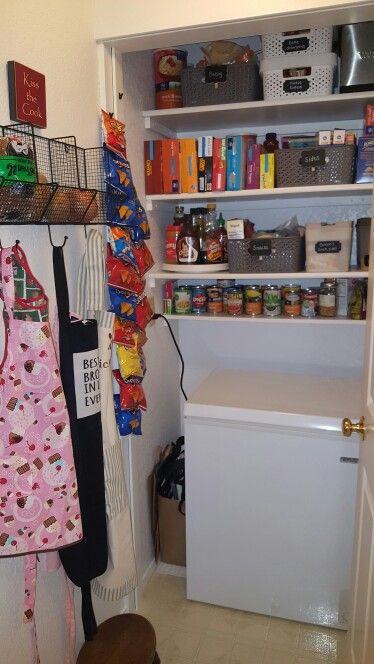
(182, 300)
(253, 300)
(215, 299)
(327, 298)
(171, 238)
(292, 300)
(309, 302)
(272, 300)
(199, 299)
(234, 297)
(168, 297)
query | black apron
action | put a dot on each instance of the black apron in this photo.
(79, 364)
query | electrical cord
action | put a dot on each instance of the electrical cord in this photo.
(155, 317)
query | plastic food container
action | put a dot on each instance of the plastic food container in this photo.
(328, 246)
(298, 75)
(309, 41)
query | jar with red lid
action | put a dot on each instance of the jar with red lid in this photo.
(171, 237)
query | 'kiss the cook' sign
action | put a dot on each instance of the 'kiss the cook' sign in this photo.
(27, 102)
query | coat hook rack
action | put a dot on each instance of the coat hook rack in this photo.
(51, 241)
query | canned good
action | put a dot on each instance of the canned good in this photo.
(272, 300)
(234, 301)
(182, 300)
(253, 300)
(309, 302)
(168, 65)
(199, 299)
(292, 300)
(225, 289)
(327, 298)
(215, 299)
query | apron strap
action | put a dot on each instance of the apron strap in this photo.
(30, 570)
(91, 294)
(7, 279)
(61, 284)
(88, 616)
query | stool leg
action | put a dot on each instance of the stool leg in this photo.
(156, 659)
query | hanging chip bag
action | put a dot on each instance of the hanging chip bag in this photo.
(128, 333)
(128, 421)
(143, 257)
(131, 362)
(131, 393)
(121, 244)
(114, 133)
(141, 232)
(124, 212)
(144, 313)
(123, 305)
(122, 276)
(117, 174)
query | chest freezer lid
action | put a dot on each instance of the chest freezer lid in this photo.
(276, 399)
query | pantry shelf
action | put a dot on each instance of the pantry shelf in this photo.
(249, 115)
(325, 191)
(163, 275)
(283, 320)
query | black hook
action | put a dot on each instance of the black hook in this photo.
(51, 241)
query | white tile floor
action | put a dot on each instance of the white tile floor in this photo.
(193, 633)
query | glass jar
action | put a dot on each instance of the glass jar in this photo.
(171, 237)
(327, 298)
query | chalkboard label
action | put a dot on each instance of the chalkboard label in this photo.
(348, 460)
(315, 157)
(328, 247)
(296, 85)
(260, 248)
(215, 74)
(295, 44)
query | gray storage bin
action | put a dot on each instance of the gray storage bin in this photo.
(279, 254)
(363, 226)
(333, 164)
(231, 83)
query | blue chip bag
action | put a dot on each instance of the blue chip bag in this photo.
(120, 240)
(140, 233)
(124, 212)
(118, 173)
(123, 305)
(128, 421)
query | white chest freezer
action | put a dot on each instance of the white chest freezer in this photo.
(270, 494)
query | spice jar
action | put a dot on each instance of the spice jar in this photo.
(327, 298)
(171, 237)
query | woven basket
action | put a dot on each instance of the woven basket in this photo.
(240, 82)
(333, 165)
(279, 254)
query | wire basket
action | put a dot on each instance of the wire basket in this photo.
(230, 83)
(278, 254)
(63, 192)
(297, 167)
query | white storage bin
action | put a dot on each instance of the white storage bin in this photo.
(298, 75)
(308, 41)
(328, 246)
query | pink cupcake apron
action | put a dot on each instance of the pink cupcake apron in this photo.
(39, 505)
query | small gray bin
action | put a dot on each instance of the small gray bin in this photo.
(296, 167)
(233, 83)
(279, 254)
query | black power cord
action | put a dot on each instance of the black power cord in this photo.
(155, 317)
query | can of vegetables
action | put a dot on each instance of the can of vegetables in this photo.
(272, 300)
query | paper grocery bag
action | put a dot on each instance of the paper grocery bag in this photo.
(172, 532)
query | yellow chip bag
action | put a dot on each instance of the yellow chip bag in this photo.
(131, 362)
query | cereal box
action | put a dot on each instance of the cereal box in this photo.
(205, 163)
(153, 167)
(219, 164)
(170, 166)
(188, 165)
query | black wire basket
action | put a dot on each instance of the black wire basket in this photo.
(64, 184)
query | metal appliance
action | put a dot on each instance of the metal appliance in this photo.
(357, 57)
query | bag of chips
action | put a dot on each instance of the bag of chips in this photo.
(117, 174)
(128, 421)
(143, 257)
(141, 232)
(120, 242)
(123, 305)
(131, 362)
(144, 313)
(122, 276)
(124, 212)
(131, 393)
(114, 133)
(127, 332)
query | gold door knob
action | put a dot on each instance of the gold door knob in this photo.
(360, 427)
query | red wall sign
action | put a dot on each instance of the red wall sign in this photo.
(27, 101)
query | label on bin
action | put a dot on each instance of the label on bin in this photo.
(260, 248)
(296, 85)
(295, 44)
(315, 157)
(215, 74)
(328, 247)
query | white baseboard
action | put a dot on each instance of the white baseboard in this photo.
(149, 572)
(172, 570)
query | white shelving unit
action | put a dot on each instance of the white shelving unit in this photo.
(282, 320)
(162, 275)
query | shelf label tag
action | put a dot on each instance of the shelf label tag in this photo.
(328, 247)
(313, 158)
(296, 85)
(348, 460)
(295, 44)
(260, 248)
(215, 74)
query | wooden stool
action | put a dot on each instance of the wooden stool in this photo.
(125, 639)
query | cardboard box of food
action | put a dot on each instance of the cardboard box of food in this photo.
(170, 166)
(188, 165)
(219, 164)
(205, 163)
(153, 167)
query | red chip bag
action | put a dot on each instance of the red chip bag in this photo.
(143, 257)
(143, 313)
(127, 332)
(131, 395)
(122, 276)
